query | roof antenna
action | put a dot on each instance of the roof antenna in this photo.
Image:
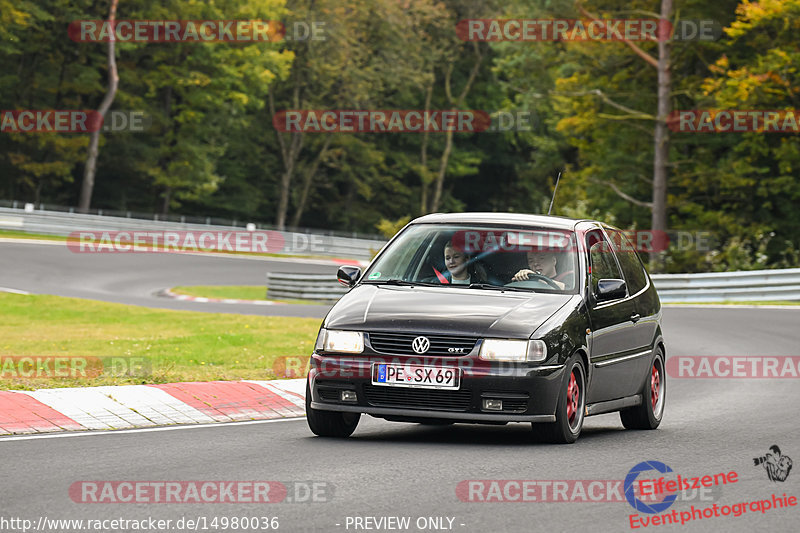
(554, 193)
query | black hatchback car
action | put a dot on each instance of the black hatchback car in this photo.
(493, 318)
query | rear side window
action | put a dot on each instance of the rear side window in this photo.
(601, 259)
(629, 260)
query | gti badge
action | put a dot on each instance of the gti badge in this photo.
(420, 344)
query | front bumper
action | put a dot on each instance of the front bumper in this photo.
(529, 392)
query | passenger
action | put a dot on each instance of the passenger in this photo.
(460, 269)
(545, 264)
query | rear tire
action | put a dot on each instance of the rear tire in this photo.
(329, 423)
(648, 414)
(570, 408)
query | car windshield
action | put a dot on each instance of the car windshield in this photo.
(510, 258)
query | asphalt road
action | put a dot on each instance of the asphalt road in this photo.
(392, 469)
(137, 278)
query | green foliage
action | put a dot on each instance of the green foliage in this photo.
(388, 228)
(212, 149)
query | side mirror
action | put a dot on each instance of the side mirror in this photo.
(348, 275)
(611, 289)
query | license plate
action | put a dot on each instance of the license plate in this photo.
(422, 377)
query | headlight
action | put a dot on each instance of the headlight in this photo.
(513, 350)
(340, 341)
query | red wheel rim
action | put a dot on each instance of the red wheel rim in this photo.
(655, 383)
(573, 396)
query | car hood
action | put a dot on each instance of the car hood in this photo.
(431, 310)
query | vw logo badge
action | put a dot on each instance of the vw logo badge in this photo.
(420, 344)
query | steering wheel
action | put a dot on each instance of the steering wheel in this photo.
(539, 277)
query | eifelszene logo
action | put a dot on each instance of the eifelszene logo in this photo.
(630, 484)
(667, 490)
(777, 466)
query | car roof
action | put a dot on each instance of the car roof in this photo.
(501, 218)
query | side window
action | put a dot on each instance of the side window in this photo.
(632, 266)
(601, 259)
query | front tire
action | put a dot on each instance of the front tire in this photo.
(648, 414)
(329, 423)
(570, 408)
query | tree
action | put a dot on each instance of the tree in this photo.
(196, 95)
(345, 70)
(745, 185)
(113, 82)
(658, 206)
(40, 70)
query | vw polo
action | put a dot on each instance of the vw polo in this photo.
(493, 318)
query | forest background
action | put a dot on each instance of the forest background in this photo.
(211, 149)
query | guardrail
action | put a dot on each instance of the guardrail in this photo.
(707, 287)
(755, 285)
(183, 219)
(296, 243)
(321, 287)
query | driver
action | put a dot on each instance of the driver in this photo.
(542, 263)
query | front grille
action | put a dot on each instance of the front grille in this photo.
(408, 398)
(400, 344)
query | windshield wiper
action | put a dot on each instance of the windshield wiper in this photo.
(400, 282)
(496, 287)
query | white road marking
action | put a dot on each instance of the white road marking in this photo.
(155, 404)
(14, 291)
(147, 430)
(31, 241)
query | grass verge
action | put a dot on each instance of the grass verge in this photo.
(175, 345)
(9, 234)
(236, 292)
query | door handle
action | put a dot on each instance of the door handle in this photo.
(635, 317)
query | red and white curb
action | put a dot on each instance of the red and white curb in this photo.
(137, 406)
(186, 298)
